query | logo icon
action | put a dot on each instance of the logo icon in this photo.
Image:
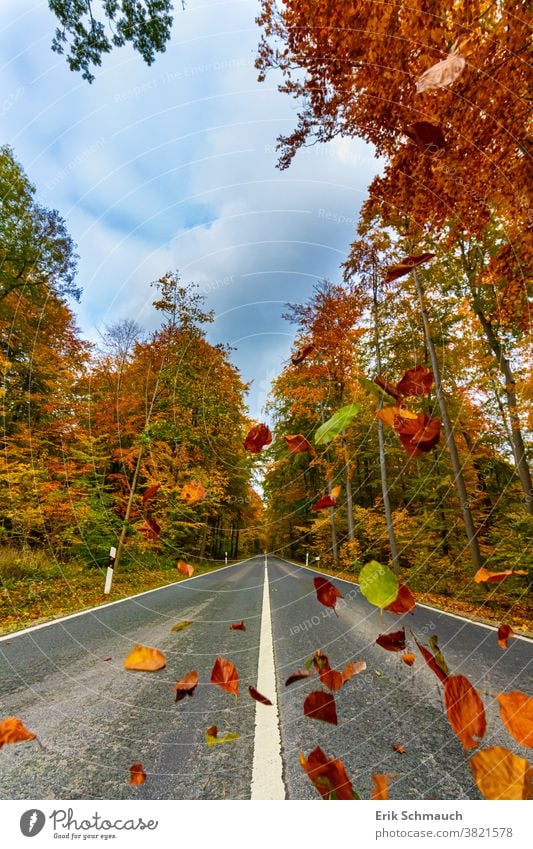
(32, 822)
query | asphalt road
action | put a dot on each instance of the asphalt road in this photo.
(94, 718)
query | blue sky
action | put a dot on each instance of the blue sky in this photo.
(173, 167)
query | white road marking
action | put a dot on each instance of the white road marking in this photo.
(267, 780)
(12, 634)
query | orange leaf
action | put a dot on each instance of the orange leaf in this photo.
(505, 632)
(238, 626)
(186, 686)
(321, 705)
(403, 603)
(298, 444)
(257, 438)
(329, 777)
(225, 675)
(394, 641)
(192, 492)
(484, 576)
(516, 711)
(418, 435)
(399, 749)
(416, 381)
(137, 774)
(331, 679)
(500, 774)
(409, 658)
(145, 659)
(351, 669)
(465, 710)
(406, 265)
(12, 730)
(255, 694)
(326, 593)
(185, 568)
(380, 789)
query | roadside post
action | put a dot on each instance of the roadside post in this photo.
(110, 566)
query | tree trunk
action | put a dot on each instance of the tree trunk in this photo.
(124, 529)
(471, 533)
(334, 547)
(349, 497)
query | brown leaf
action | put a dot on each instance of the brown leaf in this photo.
(387, 387)
(505, 632)
(439, 671)
(395, 641)
(181, 626)
(465, 710)
(192, 492)
(298, 444)
(186, 686)
(297, 676)
(150, 529)
(409, 658)
(255, 694)
(353, 668)
(301, 354)
(399, 749)
(145, 659)
(257, 438)
(516, 711)
(428, 137)
(331, 679)
(326, 593)
(328, 776)
(185, 568)
(444, 73)
(500, 774)
(418, 436)
(321, 705)
(137, 774)
(380, 788)
(238, 626)
(416, 381)
(225, 675)
(406, 265)
(150, 492)
(403, 603)
(12, 730)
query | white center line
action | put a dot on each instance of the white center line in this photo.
(267, 781)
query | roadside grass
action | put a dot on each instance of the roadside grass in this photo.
(36, 588)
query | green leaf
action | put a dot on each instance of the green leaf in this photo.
(181, 626)
(336, 424)
(374, 389)
(378, 584)
(227, 738)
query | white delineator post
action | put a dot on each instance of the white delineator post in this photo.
(226, 558)
(307, 558)
(110, 565)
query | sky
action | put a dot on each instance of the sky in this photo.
(173, 167)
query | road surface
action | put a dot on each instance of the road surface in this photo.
(94, 718)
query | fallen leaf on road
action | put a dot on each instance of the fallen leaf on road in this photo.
(326, 593)
(321, 705)
(224, 675)
(186, 686)
(212, 738)
(395, 641)
(238, 626)
(409, 658)
(145, 659)
(399, 749)
(465, 710)
(328, 776)
(137, 774)
(181, 626)
(500, 774)
(105, 659)
(505, 632)
(12, 730)
(255, 694)
(516, 711)
(380, 788)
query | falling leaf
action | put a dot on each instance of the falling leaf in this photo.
(375, 387)
(137, 774)
(185, 568)
(331, 678)
(12, 730)
(418, 436)
(192, 492)
(323, 503)
(516, 711)
(500, 774)
(151, 529)
(403, 603)
(298, 444)
(395, 641)
(439, 668)
(388, 388)
(428, 137)
(150, 492)
(399, 749)
(255, 694)
(301, 354)
(328, 776)
(465, 710)
(186, 686)
(225, 675)
(406, 265)
(145, 659)
(378, 584)
(353, 668)
(442, 74)
(483, 575)
(338, 422)
(181, 626)
(238, 626)
(416, 381)
(257, 438)
(326, 592)
(505, 632)
(408, 658)
(297, 676)
(388, 415)
(212, 738)
(380, 788)
(321, 705)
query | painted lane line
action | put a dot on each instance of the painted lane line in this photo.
(267, 771)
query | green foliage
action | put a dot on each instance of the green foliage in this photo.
(338, 422)
(378, 584)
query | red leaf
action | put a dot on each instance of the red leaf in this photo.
(186, 686)
(394, 641)
(297, 676)
(321, 705)
(416, 381)
(387, 387)
(238, 626)
(185, 568)
(465, 710)
(323, 503)
(150, 492)
(137, 774)
(403, 603)
(428, 137)
(257, 438)
(255, 694)
(326, 593)
(329, 777)
(418, 435)
(298, 444)
(152, 530)
(331, 679)
(399, 749)
(505, 632)
(225, 675)
(406, 265)
(301, 354)
(432, 663)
